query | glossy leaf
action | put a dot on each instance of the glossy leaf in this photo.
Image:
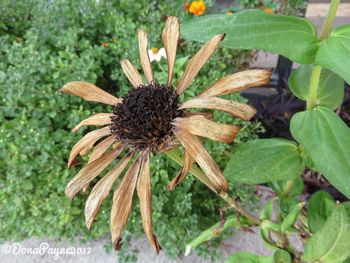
(331, 242)
(326, 139)
(334, 52)
(248, 258)
(273, 159)
(320, 206)
(292, 37)
(331, 86)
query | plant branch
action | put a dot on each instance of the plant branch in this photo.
(175, 154)
(327, 26)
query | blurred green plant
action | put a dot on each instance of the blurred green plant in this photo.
(45, 44)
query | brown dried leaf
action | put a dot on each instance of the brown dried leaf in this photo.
(170, 36)
(101, 190)
(101, 148)
(197, 62)
(87, 142)
(122, 201)
(131, 73)
(89, 172)
(200, 126)
(145, 196)
(236, 109)
(89, 92)
(196, 149)
(238, 82)
(98, 119)
(144, 58)
(188, 162)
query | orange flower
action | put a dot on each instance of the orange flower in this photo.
(197, 8)
(268, 10)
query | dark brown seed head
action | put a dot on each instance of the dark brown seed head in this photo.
(143, 119)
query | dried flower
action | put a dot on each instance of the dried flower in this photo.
(149, 120)
(197, 8)
(156, 54)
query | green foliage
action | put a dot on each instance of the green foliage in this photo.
(281, 256)
(330, 91)
(45, 44)
(274, 159)
(326, 139)
(291, 218)
(320, 206)
(258, 30)
(330, 242)
(248, 258)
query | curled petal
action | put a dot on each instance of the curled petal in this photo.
(207, 115)
(145, 196)
(98, 119)
(188, 162)
(101, 148)
(89, 172)
(122, 201)
(200, 126)
(170, 36)
(102, 189)
(236, 109)
(131, 73)
(238, 82)
(198, 61)
(89, 92)
(87, 142)
(196, 149)
(144, 58)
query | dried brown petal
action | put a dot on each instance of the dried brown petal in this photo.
(89, 92)
(101, 148)
(207, 115)
(89, 172)
(122, 201)
(197, 62)
(145, 196)
(238, 82)
(200, 126)
(236, 109)
(196, 149)
(131, 73)
(188, 162)
(144, 58)
(87, 142)
(101, 190)
(170, 36)
(98, 119)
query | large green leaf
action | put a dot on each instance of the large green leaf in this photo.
(331, 243)
(334, 52)
(248, 258)
(326, 139)
(331, 86)
(292, 37)
(264, 160)
(320, 206)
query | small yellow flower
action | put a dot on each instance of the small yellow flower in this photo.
(156, 54)
(268, 10)
(197, 8)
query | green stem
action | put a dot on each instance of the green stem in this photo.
(315, 79)
(327, 26)
(175, 154)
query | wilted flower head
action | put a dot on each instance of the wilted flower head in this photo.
(150, 120)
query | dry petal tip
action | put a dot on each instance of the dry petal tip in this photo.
(117, 244)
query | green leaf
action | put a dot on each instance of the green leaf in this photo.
(326, 139)
(248, 258)
(212, 232)
(267, 211)
(290, 219)
(288, 188)
(292, 37)
(320, 206)
(334, 52)
(331, 87)
(281, 256)
(273, 159)
(331, 242)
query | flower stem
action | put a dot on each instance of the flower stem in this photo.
(327, 26)
(315, 79)
(175, 154)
